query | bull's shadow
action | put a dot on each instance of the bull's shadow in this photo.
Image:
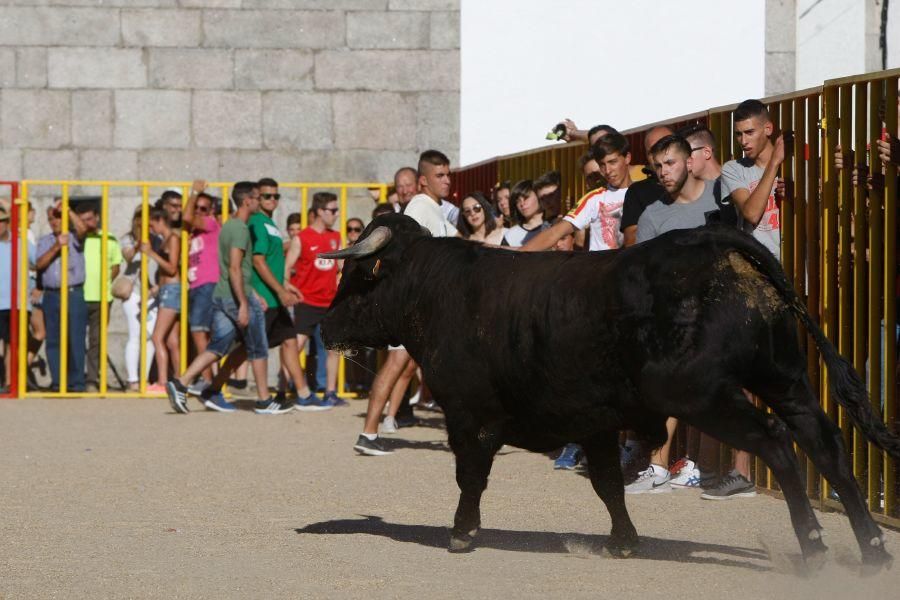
(549, 542)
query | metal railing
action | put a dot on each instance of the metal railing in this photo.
(839, 243)
(62, 189)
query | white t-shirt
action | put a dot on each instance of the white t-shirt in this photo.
(429, 215)
(602, 210)
(744, 174)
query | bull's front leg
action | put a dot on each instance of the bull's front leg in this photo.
(602, 453)
(474, 451)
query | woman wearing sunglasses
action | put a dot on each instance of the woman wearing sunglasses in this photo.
(354, 230)
(476, 221)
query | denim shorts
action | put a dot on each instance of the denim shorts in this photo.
(226, 334)
(170, 296)
(200, 307)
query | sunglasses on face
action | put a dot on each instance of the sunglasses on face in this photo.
(333, 211)
(270, 196)
(473, 211)
(354, 230)
(203, 209)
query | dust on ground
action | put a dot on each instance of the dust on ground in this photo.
(123, 498)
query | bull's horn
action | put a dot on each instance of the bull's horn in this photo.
(371, 244)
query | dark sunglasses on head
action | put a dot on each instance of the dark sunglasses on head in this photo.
(354, 230)
(270, 196)
(473, 211)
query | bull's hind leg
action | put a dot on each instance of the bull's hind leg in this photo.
(821, 439)
(474, 453)
(741, 425)
(602, 453)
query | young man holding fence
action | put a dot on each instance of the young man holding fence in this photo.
(239, 326)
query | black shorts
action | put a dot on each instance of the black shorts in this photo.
(5, 325)
(279, 326)
(306, 318)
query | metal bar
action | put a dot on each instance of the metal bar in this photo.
(145, 292)
(16, 307)
(22, 363)
(813, 113)
(829, 247)
(183, 317)
(304, 202)
(890, 297)
(64, 297)
(876, 289)
(845, 298)
(860, 272)
(104, 286)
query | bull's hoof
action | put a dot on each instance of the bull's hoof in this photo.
(815, 561)
(462, 542)
(876, 562)
(620, 548)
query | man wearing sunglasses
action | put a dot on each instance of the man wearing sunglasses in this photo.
(315, 279)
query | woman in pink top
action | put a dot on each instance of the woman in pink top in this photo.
(203, 265)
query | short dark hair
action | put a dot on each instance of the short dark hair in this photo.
(383, 208)
(462, 224)
(169, 194)
(432, 157)
(321, 200)
(584, 159)
(609, 144)
(547, 179)
(749, 109)
(294, 219)
(671, 141)
(267, 182)
(241, 190)
(159, 214)
(607, 128)
(699, 132)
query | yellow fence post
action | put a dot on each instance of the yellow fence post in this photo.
(145, 291)
(23, 291)
(183, 279)
(890, 296)
(64, 297)
(104, 285)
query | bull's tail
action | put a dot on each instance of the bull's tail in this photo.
(844, 382)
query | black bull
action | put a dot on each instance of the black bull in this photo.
(539, 349)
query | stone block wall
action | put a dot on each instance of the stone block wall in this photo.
(298, 90)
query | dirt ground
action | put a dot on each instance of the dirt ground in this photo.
(124, 499)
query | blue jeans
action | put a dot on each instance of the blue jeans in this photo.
(200, 307)
(77, 329)
(226, 333)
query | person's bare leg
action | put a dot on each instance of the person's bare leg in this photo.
(661, 455)
(261, 376)
(382, 386)
(201, 341)
(203, 361)
(331, 371)
(232, 362)
(165, 319)
(400, 388)
(173, 344)
(290, 359)
(742, 463)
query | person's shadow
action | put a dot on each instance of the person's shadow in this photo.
(577, 544)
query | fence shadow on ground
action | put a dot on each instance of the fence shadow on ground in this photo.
(576, 544)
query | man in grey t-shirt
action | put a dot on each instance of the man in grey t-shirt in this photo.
(688, 200)
(751, 180)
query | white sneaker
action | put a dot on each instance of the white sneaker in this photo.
(389, 425)
(414, 399)
(685, 474)
(650, 481)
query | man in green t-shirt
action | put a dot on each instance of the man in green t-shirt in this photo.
(238, 322)
(93, 274)
(268, 282)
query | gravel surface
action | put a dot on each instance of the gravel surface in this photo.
(123, 498)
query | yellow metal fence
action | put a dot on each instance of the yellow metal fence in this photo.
(62, 189)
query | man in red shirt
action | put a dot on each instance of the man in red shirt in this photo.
(316, 278)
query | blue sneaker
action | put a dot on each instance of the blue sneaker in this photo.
(312, 403)
(335, 400)
(216, 401)
(569, 458)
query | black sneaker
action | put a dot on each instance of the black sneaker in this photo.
(733, 485)
(271, 407)
(177, 394)
(370, 447)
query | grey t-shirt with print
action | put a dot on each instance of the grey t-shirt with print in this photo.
(745, 174)
(660, 217)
